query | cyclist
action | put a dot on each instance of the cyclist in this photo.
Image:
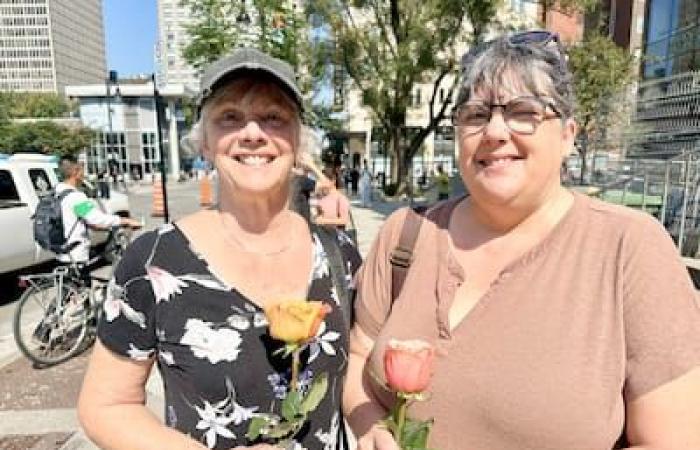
(79, 213)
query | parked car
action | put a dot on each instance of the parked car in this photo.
(24, 178)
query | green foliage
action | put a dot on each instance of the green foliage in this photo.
(275, 27)
(388, 47)
(215, 31)
(602, 72)
(316, 393)
(23, 105)
(295, 409)
(44, 137)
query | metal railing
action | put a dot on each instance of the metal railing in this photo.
(668, 189)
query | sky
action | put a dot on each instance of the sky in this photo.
(130, 34)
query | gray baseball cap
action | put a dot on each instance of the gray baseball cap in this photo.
(248, 60)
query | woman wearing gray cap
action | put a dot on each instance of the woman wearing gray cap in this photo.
(191, 296)
(558, 321)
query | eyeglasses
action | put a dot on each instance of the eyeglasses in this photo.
(522, 115)
(539, 37)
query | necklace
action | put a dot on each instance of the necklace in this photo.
(232, 239)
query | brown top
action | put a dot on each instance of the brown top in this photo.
(598, 313)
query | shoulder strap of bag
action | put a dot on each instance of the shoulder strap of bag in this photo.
(62, 195)
(337, 269)
(401, 256)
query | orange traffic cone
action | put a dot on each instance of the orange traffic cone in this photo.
(157, 208)
(205, 193)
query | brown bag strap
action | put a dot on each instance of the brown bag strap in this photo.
(401, 256)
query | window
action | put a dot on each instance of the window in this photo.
(40, 181)
(8, 190)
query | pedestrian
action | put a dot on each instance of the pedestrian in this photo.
(442, 181)
(308, 179)
(333, 206)
(354, 180)
(103, 184)
(365, 186)
(558, 321)
(191, 296)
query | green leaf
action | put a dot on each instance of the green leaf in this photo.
(316, 393)
(292, 406)
(415, 433)
(255, 428)
(284, 429)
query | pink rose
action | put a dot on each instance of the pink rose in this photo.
(408, 365)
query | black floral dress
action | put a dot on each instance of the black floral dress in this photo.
(211, 343)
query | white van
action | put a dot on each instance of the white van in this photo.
(25, 177)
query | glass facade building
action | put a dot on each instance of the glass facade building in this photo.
(666, 122)
(672, 41)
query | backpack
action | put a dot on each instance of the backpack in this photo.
(48, 222)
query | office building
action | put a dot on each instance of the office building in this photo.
(666, 122)
(48, 44)
(171, 67)
(123, 115)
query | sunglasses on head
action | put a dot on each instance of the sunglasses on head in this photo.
(539, 37)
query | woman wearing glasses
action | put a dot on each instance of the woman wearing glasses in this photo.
(559, 321)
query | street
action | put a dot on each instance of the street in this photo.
(37, 406)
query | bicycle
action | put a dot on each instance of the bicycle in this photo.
(56, 317)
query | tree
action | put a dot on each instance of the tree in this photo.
(388, 47)
(23, 105)
(565, 6)
(273, 26)
(43, 137)
(602, 71)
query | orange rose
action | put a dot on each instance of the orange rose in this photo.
(408, 365)
(295, 321)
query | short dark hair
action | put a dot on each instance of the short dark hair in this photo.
(68, 166)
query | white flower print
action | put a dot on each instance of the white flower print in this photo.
(238, 322)
(344, 238)
(215, 418)
(212, 420)
(164, 283)
(215, 345)
(294, 445)
(138, 354)
(349, 280)
(241, 413)
(320, 268)
(330, 438)
(259, 320)
(334, 296)
(323, 341)
(114, 305)
(167, 357)
(204, 281)
(165, 228)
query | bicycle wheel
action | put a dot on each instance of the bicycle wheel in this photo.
(50, 326)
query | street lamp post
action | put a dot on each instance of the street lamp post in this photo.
(159, 121)
(111, 80)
